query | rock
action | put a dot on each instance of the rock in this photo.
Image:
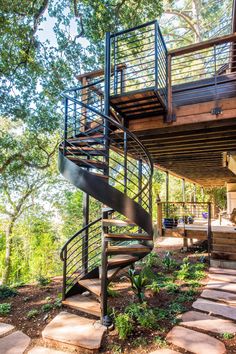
(70, 329)
(215, 270)
(15, 343)
(223, 296)
(164, 351)
(205, 322)
(5, 328)
(223, 277)
(195, 342)
(216, 308)
(221, 285)
(43, 350)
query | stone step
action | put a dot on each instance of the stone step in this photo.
(164, 351)
(195, 342)
(44, 350)
(223, 277)
(215, 308)
(83, 303)
(221, 285)
(202, 321)
(15, 343)
(217, 295)
(5, 328)
(73, 332)
(215, 270)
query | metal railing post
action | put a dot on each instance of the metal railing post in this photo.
(107, 98)
(85, 236)
(64, 275)
(65, 125)
(156, 55)
(125, 162)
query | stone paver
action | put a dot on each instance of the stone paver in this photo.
(15, 343)
(223, 277)
(5, 328)
(164, 351)
(222, 271)
(67, 328)
(43, 350)
(195, 342)
(205, 322)
(216, 308)
(223, 296)
(221, 285)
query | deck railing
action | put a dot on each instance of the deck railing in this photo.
(185, 215)
(209, 66)
(143, 52)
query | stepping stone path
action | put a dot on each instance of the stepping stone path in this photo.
(14, 343)
(43, 350)
(5, 328)
(70, 331)
(218, 298)
(195, 342)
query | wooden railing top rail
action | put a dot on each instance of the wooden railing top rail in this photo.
(184, 203)
(202, 45)
(97, 73)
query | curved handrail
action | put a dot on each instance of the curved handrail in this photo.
(76, 234)
(119, 126)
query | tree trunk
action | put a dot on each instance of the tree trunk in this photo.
(197, 22)
(7, 265)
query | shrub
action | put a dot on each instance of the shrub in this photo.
(5, 309)
(168, 262)
(47, 307)
(32, 313)
(138, 282)
(227, 335)
(57, 303)
(172, 288)
(152, 260)
(144, 316)
(154, 287)
(43, 281)
(124, 325)
(6, 291)
(111, 292)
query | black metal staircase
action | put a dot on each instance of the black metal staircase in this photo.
(101, 157)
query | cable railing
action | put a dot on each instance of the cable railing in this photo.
(143, 53)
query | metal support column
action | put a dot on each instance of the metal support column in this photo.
(167, 194)
(85, 235)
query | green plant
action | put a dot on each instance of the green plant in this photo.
(112, 292)
(168, 262)
(140, 342)
(115, 348)
(154, 287)
(5, 309)
(160, 341)
(152, 260)
(176, 308)
(124, 325)
(47, 307)
(32, 313)
(57, 303)
(145, 316)
(43, 281)
(6, 291)
(227, 335)
(171, 288)
(138, 282)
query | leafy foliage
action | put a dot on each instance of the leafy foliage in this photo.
(6, 291)
(32, 313)
(123, 325)
(138, 282)
(5, 309)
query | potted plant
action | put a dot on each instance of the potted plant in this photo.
(171, 219)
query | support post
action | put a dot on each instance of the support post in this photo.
(183, 191)
(170, 115)
(84, 97)
(85, 235)
(64, 275)
(125, 162)
(65, 126)
(159, 219)
(140, 168)
(167, 194)
(209, 233)
(156, 55)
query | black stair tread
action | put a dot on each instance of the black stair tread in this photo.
(129, 236)
(122, 259)
(117, 222)
(83, 303)
(87, 163)
(128, 249)
(89, 137)
(93, 285)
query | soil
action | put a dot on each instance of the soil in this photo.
(33, 297)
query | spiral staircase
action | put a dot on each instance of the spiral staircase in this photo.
(106, 161)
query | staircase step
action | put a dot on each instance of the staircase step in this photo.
(128, 236)
(93, 285)
(117, 222)
(99, 175)
(84, 304)
(83, 152)
(128, 249)
(74, 332)
(121, 260)
(90, 137)
(88, 163)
